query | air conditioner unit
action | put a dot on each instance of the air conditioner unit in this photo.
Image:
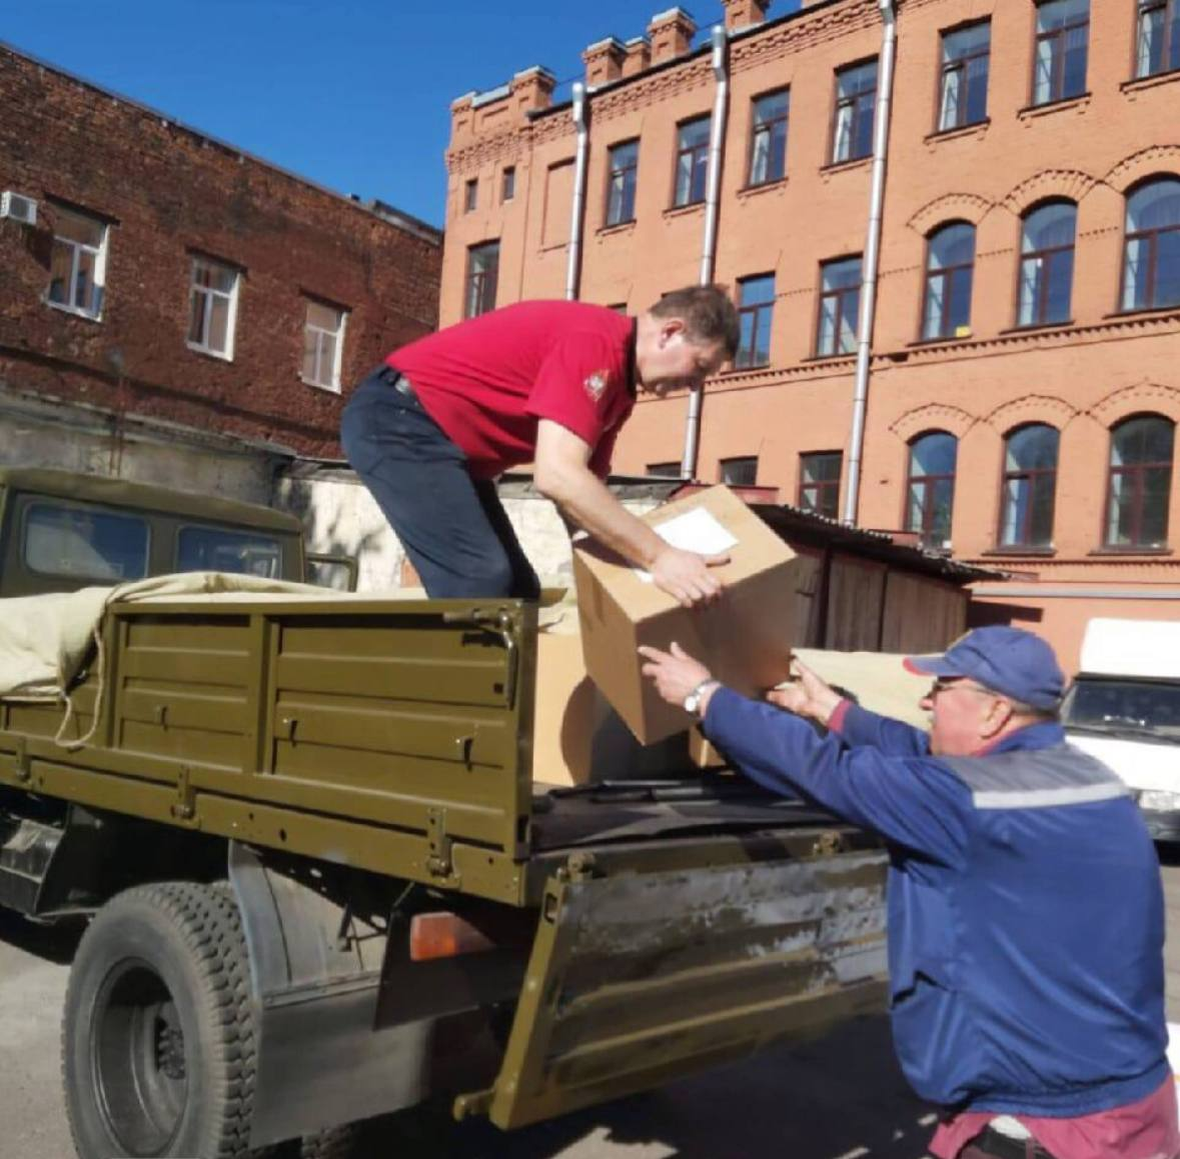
(18, 207)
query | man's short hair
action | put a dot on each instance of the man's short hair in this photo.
(707, 312)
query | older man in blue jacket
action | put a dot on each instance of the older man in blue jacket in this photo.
(1026, 918)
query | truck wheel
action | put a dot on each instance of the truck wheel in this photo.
(158, 1038)
(331, 1143)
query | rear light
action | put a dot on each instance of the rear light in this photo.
(445, 935)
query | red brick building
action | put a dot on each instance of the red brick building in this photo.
(172, 277)
(1023, 377)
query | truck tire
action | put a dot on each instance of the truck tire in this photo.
(158, 1037)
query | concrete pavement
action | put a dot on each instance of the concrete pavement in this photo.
(840, 1098)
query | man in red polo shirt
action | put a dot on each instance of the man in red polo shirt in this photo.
(544, 382)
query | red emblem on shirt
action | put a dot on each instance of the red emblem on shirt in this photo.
(597, 383)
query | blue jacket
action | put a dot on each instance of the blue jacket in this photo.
(1026, 915)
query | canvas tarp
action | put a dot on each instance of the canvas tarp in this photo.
(45, 639)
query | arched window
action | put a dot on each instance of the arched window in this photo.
(1046, 264)
(1140, 480)
(950, 261)
(1030, 480)
(1151, 253)
(930, 487)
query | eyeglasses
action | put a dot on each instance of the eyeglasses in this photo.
(941, 685)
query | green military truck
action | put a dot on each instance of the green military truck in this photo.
(325, 880)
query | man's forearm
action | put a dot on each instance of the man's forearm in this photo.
(588, 503)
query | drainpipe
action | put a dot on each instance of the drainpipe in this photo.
(692, 426)
(868, 288)
(573, 268)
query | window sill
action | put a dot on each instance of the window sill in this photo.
(1018, 552)
(209, 353)
(320, 385)
(1139, 83)
(975, 129)
(820, 359)
(844, 166)
(1081, 101)
(749, 368)
(763, 187)
(1144, 313)
(1038, 328)
(684, 210)
(617, 227)
(1124, 551)
(948, 340)
(73, 311)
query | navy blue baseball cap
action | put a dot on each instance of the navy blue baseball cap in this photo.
(1010, 661)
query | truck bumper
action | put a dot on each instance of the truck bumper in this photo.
(1163, 825)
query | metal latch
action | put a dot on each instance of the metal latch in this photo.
(24, 769)
(499, 622)
(185, 807)
(439, 861)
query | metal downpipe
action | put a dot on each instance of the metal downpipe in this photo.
(574, 264)
(692, 425)
(868, 290)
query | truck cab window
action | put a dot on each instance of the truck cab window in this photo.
(214, 549)
(84, 543)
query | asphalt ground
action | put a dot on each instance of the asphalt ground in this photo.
(842, 1097)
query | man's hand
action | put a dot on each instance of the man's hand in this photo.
(807, 695)
(562, 473)
(685, 575)
(675, 673)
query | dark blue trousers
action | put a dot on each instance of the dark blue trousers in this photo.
(453, 527)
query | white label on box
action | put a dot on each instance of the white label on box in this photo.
(696, 530)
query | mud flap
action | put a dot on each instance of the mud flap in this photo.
(641, 978)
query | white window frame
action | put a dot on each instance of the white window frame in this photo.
(231, 325)
(100, 266)
(337, 334)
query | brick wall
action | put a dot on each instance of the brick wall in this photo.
(169, 193)
(1081, 376)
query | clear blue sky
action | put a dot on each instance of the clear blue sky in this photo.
(354, 94)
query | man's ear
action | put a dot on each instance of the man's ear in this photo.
(669, 328)
(997, 717)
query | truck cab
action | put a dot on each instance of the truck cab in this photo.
(62, 530)
(1124, 709)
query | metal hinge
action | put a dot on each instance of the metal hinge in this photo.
(439, 861)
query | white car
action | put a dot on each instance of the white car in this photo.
(1124, 709)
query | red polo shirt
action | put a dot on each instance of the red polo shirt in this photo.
(488, 380)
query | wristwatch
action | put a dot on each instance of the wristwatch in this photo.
(692, 702)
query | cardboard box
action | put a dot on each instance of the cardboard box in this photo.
(745, 638)
(577, 737)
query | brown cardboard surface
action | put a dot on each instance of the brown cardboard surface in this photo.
(744, 639)
(577, 736)
(877, 681)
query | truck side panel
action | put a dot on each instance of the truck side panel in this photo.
(381, 734)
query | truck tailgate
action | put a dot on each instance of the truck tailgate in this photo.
(638, 978)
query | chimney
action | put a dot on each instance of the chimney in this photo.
(532, 89)
(671, 34)
(638, 55)
(604, 62)
(744, 13)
